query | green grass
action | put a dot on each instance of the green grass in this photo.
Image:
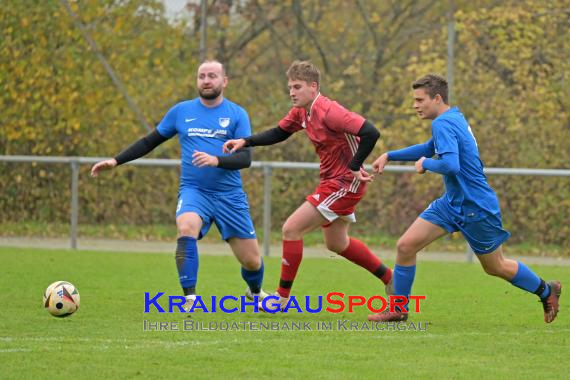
(477, 326)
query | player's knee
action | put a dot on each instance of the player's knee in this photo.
(186, 229)
(251, 263)
(250, 260)
(406, 248)
(289, 232)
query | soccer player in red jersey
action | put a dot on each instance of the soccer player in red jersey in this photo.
(343, 140)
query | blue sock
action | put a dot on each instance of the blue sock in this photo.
(403, 280)
(527, 280)
(187, 263)
(254, 278)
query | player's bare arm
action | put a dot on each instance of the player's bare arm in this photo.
(239, 160)
(103, 165)
(363, 175)
(201, 159)
(379, 164)
(419, 166)
(231, 146)
(138, 149)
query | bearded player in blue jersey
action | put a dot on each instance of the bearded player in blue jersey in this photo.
(210, 183)
(468, 205)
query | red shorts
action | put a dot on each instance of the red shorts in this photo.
(334, 201)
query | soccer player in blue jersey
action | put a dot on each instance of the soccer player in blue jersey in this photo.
(468, 205)
(210, 183)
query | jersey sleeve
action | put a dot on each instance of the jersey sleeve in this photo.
(444, 137)
(413, 153)
(243, 125)
(340, 119)
(293, 121)
(167, 126)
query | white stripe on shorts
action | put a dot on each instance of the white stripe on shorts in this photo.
(334, 197)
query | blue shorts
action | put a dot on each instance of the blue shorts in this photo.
(483, 231)
(228, 210)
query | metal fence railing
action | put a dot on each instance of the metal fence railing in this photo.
(266, 166)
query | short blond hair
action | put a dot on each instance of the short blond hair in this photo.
(305, 71)
(433, 84)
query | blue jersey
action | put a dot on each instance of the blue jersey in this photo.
(467, 192)
(206, 129)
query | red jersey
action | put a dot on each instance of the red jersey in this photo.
(332, 129)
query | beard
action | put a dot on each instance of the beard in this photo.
(212, 93)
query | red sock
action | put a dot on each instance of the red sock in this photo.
(358, 253)
(292, 256)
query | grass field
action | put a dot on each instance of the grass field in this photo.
(476, 326)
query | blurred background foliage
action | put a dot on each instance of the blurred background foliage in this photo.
(511, 68)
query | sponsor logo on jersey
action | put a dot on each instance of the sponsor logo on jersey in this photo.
(206, 132)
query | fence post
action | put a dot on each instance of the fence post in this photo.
(266, 208)
(450, 52)
(74, 201)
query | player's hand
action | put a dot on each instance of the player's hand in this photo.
(380, 163)
(103, 165)
(363, 175)
(201, 159)
(231, 146)
(419, 167)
